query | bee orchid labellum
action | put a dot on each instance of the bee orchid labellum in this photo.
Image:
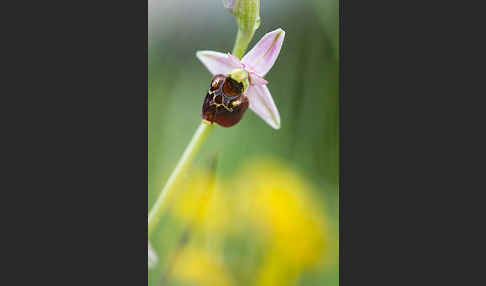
(225, 102)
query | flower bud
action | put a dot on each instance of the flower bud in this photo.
(225, 102)
(247, 16)
(247, 13)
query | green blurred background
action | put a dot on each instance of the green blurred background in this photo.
(304, 83)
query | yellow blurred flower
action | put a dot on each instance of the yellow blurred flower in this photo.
(202, 203)
(269, 207)
(197, 267)
(282, 205)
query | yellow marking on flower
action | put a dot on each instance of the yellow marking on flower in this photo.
(240, 75)
(215, 83)
(206, 122)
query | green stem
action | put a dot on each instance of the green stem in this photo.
(242, 41)
(180, 170)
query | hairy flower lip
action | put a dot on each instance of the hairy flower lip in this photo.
(257, 62)
(225, 102)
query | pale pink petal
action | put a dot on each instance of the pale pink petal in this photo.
(256, 79)
(261, 102)
(218, 63)
(264, 54)
(229, 4)
(235, 61)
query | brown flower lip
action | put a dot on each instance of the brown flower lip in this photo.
(225, 102)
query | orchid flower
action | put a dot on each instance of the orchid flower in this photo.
(249, 71)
